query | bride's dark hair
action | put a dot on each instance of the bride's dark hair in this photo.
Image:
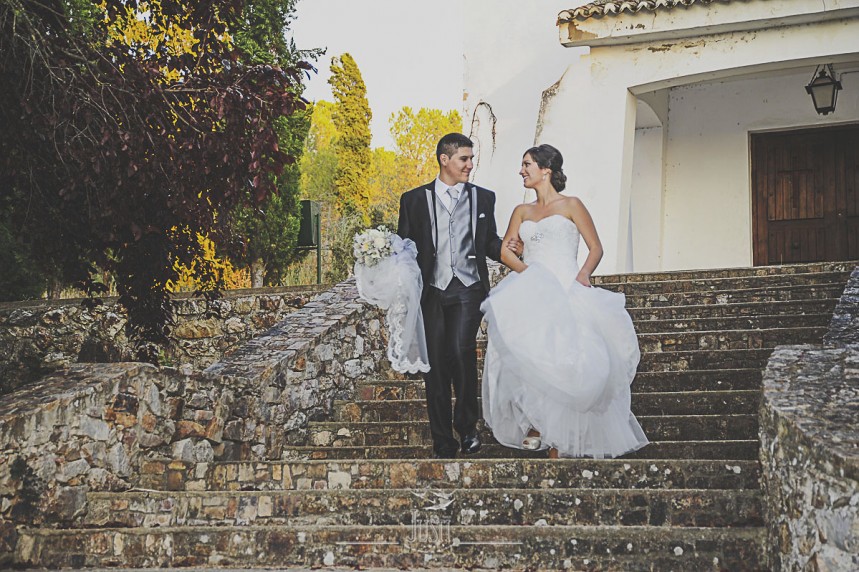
(547, 157)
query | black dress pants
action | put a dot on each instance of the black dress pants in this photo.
(451, 320)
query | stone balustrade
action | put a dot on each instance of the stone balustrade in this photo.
(107, 427)
(38, 337)
(810, 447)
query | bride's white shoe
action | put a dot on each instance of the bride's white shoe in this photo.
(531, 443)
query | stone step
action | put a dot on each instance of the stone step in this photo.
(766, 294)
(728, 450)
(461, 473)
(698, 284)
(700, 359)
(473, 507)
(716, 273)
(733, 310)
(697, 381)
(428, 543)
(671, 403)
(732, 323)
(417, 432)
(688, 501)
(721, 339)
(704, 360)
(729, 339)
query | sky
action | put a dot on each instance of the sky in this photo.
(409, 53)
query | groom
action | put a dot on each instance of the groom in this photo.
(453, 225)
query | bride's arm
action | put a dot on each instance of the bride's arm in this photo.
(585, 224)
(508, 257)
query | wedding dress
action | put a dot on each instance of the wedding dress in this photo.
(561, 356)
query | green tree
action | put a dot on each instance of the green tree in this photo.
(388, 174)
(265, 236)
(352, 117)
(118, 150)
(318, 163)
(20, 279)
(386, 185)
(319, 183)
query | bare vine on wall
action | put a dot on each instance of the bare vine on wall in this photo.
(476, 123)
(546, 99)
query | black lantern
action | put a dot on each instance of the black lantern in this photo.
(823, 89)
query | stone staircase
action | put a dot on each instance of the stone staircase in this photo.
(362, 491)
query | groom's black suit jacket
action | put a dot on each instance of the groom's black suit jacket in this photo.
(417, 223)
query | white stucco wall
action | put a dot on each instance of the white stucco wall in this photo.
(670, 198)
(512, 54)
(647, 200)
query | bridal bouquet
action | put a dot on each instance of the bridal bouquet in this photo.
(387, 275)
(373, 245)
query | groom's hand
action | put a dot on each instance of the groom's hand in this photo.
(515, 245)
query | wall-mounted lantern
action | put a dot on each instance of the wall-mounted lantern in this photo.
(823, 89)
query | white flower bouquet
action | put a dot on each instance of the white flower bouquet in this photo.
(388, 276)
(373, 245)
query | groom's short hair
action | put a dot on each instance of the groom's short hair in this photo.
(448, 145)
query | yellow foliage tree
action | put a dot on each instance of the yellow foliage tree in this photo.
(412, 162)
(222, 272)
(389, 175)
(387, 183)
(415, 138)
(319, 159)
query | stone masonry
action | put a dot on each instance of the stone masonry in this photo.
(41, 336)
(301, 449)
(107, 427)
(810, 447)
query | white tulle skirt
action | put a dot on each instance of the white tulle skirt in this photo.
(560, 360)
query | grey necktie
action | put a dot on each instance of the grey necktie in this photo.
(453, 193)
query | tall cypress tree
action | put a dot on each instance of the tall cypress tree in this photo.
(352, 117)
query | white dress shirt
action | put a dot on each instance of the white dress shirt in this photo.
(441, 193)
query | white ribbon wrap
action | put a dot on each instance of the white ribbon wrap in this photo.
(395, 284)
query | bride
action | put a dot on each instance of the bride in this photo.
(561, 354)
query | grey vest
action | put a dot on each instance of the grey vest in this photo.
(455, 249)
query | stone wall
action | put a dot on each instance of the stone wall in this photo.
(39, 337)
(810, 448)
(844, 328)
(85, 428)
(106, 427)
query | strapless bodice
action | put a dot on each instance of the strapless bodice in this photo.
(553, 242)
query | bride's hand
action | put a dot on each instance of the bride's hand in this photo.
(515, 245)
(584, 279)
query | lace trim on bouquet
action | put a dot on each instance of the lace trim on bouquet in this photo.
(388, 276)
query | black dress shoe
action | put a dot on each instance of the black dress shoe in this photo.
(471, 443)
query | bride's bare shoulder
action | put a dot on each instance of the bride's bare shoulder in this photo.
(522, 210)
(572, 204)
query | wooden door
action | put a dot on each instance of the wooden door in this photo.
(805, 190)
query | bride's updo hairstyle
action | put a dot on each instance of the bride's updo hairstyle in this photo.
(547, 157)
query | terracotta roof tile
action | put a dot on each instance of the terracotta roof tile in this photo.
(600, 8)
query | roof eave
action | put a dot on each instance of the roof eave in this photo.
(638, 28)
